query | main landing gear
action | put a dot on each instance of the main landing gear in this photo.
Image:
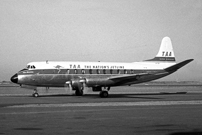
(104, 93)
(35, 94)
(79, 92)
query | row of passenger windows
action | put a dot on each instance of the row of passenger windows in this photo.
(99, 71)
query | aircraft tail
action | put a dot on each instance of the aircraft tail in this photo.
(166, 52)
(178, 66)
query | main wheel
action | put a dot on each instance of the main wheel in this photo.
(104, 94)
(79, 92)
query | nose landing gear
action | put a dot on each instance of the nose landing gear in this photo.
(35, 94)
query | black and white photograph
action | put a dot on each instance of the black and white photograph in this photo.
(101, 67)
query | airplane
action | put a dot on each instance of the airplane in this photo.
(100, 76)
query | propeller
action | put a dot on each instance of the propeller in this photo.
(68, 87)
(85, 87)
(79, 83)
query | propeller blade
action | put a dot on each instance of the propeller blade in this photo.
(85, 87)
(68, 88)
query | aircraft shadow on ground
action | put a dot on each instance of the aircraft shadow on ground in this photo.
(137, 95)
(187, 133)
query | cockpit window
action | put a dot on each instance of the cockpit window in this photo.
(31, 67)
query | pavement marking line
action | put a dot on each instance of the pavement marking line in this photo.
(150, 103)
(63, 111)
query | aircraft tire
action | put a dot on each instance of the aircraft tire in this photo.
(79, 92)
(35, 95)
(104, 94)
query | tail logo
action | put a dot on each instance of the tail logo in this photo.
(164, 54)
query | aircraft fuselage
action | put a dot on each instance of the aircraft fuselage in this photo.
(56, 74)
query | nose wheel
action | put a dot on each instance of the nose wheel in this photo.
(35, 94)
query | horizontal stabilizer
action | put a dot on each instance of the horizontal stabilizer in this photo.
(178, 66)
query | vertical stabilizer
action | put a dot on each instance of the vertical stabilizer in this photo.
(166, 52)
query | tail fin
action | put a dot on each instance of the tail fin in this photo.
(166, 52)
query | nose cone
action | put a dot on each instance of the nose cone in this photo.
(14, 78)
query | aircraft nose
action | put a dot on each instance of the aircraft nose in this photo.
(14, 78)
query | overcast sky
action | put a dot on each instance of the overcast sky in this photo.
(99, 30)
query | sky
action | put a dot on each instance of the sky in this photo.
(99, 30)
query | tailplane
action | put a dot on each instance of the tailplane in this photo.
(178, 66)
(166, 52)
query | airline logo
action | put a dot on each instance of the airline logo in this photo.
(166, 54)
(58, 67)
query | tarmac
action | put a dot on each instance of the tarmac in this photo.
(137, 110)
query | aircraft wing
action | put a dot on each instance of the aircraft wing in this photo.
(127, 77)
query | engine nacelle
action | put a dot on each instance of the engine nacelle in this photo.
(99, 82)
(77, 84)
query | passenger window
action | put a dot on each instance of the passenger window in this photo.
(75, 71)
(67, 71)
(125, 71)
(131, 72)
(111, 71)
(118, 71)
(98, 71)
(83, 71)
(104, 71)
(90, 71)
